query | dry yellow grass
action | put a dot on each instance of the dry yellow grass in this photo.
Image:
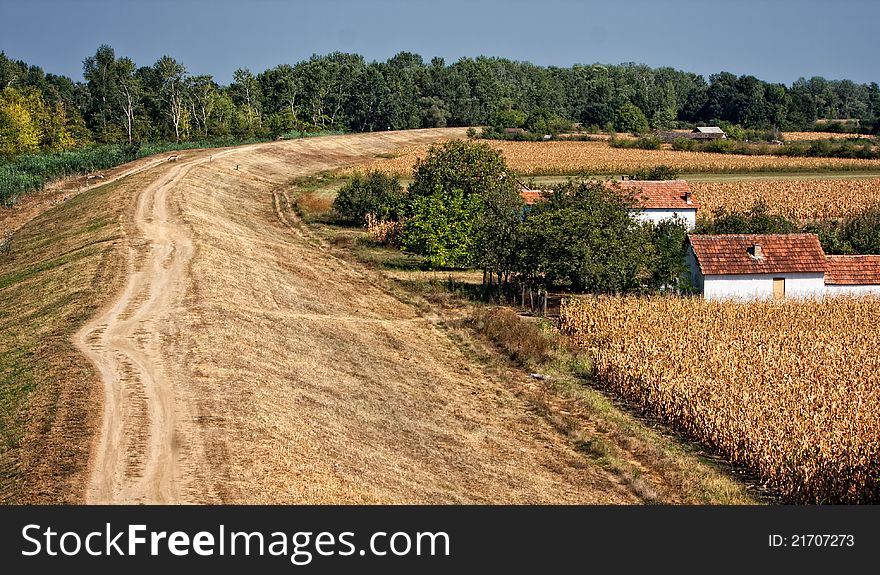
(795, 199)
(802, 136)
(790, 389)
(533, 158)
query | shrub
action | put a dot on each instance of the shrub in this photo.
(376, 193)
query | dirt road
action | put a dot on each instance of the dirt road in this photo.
(244, 363)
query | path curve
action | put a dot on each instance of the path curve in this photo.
(135, 460)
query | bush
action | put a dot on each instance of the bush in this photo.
(376, 193)
(684, 144)
(656, 173)
(644, 143)
(522, 340)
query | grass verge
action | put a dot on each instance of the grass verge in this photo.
(54, 275)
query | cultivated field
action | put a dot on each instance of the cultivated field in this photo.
(800, 199)
(802, 136)
(789, 389)
(533, 158)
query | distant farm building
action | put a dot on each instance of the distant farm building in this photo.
(699, 133)
(656, 200)
(776, 266)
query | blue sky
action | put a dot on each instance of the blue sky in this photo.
(775, 40)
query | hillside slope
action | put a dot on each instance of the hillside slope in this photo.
(242, 362)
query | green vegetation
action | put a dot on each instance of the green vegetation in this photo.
(376, 193)
(27, 173)
(120, 102)
(642, 143)
(854, 148)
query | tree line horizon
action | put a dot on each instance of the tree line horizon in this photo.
(120, 102)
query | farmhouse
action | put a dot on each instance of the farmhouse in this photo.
(657, 200)
(756, 266)
(765, 266)
(660, 200)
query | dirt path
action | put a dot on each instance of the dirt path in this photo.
(244, 363)
(135, 460)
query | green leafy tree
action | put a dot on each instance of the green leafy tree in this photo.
(376, 193)
(668, 238)
(582, 237)
(758, 220)
(629, 118)
(440, 228)
(483, 208)
(20, 131)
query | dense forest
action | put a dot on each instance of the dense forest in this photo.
(120, 102)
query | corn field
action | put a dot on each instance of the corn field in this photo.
(788, 389)
(811, 199)
(559, 157)
(807, 136)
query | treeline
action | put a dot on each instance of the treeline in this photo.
(121, 102)
(463, 210)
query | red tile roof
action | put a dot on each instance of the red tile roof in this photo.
(649, 194)
(780, 253)
(661, 194)
(853, 270)
(531, 196)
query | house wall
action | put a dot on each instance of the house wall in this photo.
(760, 286)
(655, 215)
(696, 276)
(853, 290)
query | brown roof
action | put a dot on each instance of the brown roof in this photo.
(853, 270)
(780, 253)
(650, 194)
(531, 196)
(661, 194)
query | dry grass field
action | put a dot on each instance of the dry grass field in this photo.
(789, 389)
(533, 158)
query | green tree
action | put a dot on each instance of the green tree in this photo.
(20, 132)
(376, 193)
(440, 227)
(629, 118)
(483, 203)
(758, 220)
(582, 237)
(668, 239)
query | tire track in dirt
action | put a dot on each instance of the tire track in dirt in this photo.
(136, 456)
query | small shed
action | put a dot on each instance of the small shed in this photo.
(698, 133)
(757, 266)
(709, 133)
(852, 275)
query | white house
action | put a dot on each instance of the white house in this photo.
(757, 266)
(656, 200)
(852, 275)
(659, 200)
(765, 266)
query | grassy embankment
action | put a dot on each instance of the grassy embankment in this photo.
(655, 463)
(54, 274)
